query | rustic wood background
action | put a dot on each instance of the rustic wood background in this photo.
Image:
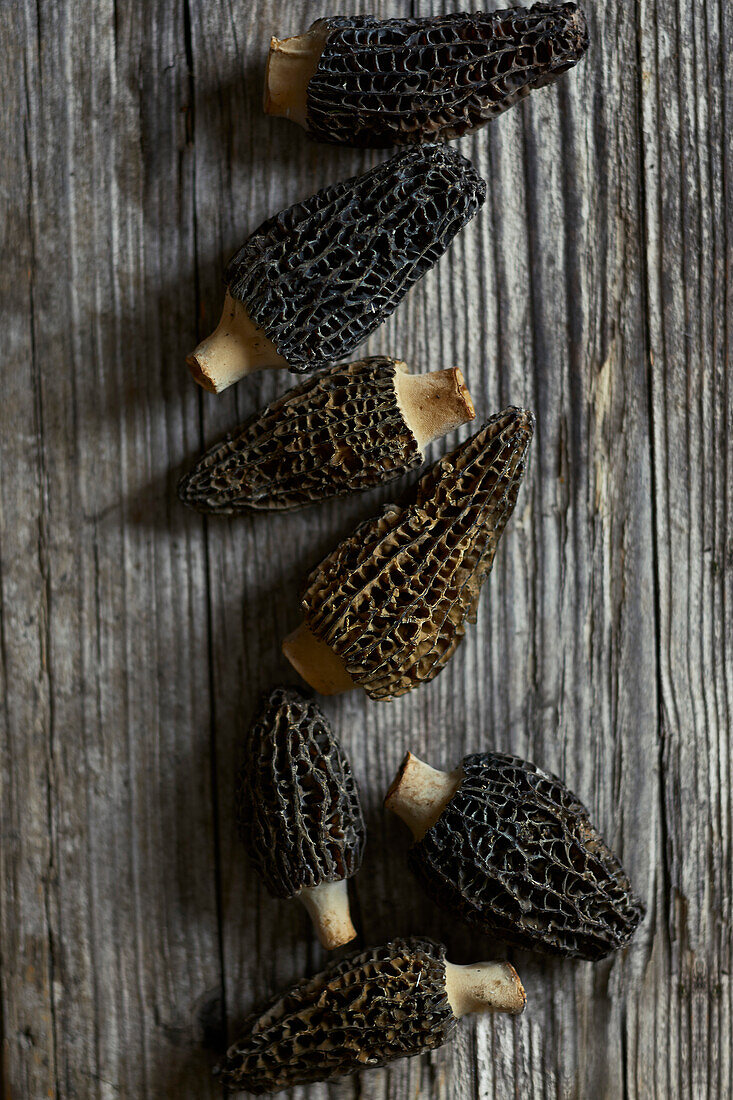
(135, 637)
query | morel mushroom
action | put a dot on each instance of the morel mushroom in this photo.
(311, 283)
(368, 1009)
(357, 80)
(347, 428)
(509, 849)
(299, 813)
(387, 609)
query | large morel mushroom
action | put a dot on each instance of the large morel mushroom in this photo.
(299, 813)
(368, 1009)
(347, 428)
(387, 609)
(357, 80)
(511, 851)
(312, 282)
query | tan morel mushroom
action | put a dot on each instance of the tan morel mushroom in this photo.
(347, 428)
(387, 609)
(366, 1010)
(313, 282)
(299, 813)
(510, 850)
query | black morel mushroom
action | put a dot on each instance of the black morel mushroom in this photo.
(387, 609)
(311, 283)
(348, 428)
(368, 1009)
(510, 850)
(299, 813)
(357, 80)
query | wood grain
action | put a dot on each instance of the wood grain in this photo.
(135, 638)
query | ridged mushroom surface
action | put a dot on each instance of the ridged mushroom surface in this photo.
(397, 81)
(340, 431)
(366, 1010)
(319, 277)
(298, 807)
(393, 600)
(514, 854)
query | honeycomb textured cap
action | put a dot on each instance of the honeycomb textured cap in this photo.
(298, 806)
(338, 432)
(322, 275)
(398, 81)
(515, 855)
(368, 1009)
(393, 600)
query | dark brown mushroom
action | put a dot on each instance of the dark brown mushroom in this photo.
(511, 851)
(387, 609)
(299, 813)
(366, 1010)
(347, 428)
(357, 80)
(312, 282)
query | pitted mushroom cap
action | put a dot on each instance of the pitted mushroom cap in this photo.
(298, 805)
(317, 278)
(515, 855)
(367, 1009)
(395, 81)
(392, 601)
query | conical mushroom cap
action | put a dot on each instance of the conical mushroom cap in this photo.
(392, 601)
(514, 854)
(298, 805)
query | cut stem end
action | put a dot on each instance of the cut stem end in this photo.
(291, 63)
(316, 662)
(484, 987)
(236, 347)
(419, 794)
(433, 404)
(328, 906)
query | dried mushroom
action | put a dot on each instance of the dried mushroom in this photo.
(387, 609)
(368, 1009)
(298, 811)
(509, 849)
(311, 283)
(347, 428)
(357, 80)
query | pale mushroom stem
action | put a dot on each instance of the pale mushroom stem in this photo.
(236, 347)
(328, 905)
(291, 63)
(316, 662)
(433, 404)
(419, 794)
(484, 987)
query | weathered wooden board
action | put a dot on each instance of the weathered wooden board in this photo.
(135, 638)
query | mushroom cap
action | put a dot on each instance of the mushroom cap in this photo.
(339, 431)
(368, 1009)
(320, 276)
(392, 601)
(399, 81)
(515, 855)
(298, 806)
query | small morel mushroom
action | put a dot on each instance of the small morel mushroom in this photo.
(347, 428)
(312, 282)
(387, 609)
(298, 811)
(509, 849)
(368, 1009)
(357, 80)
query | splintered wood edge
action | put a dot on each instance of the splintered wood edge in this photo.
(235, 348)
(291, 62)
(433, 404)
(316, 662)
(419, 793)
(328, 906)
(484, 987)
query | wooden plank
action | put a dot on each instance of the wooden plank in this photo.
(688, 167)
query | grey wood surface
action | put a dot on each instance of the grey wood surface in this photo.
(135, 637)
